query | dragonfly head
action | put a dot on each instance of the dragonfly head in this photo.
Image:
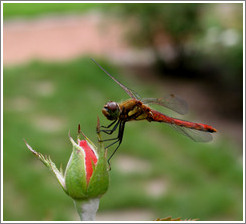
(111, 110)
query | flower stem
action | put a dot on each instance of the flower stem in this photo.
(87, 209)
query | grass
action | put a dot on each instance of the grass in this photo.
(42, 101)
(30, 10)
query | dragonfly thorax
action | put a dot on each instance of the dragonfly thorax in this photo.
(111, 110)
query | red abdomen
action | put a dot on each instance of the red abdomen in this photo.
(159, 117)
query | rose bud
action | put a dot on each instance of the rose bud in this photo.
(86, 176)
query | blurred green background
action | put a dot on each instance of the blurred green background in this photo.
(156, 172)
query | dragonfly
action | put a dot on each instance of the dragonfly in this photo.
(136, 109)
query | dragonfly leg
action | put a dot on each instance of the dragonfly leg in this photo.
(109, 124)
(113, 153)
(109, 132)
(120, 137)
(110, 139)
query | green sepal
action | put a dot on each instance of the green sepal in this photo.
(99, 181)
(49, 163)
(75, 176)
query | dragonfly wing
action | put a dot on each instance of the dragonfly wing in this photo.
(195, 135)
(130, 92)
(170, 101)
(133, 92)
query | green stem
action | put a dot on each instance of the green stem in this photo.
(87, 209)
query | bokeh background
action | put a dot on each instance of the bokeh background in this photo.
(50, 85)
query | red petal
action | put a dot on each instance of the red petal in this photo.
(90, 158)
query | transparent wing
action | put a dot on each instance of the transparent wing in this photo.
(170, 101)
(195, 135)
(130, 92)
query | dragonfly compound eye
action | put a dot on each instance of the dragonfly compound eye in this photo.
(111, 110)
(113, 106)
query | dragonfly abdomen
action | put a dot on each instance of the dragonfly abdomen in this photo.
(159, 117)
